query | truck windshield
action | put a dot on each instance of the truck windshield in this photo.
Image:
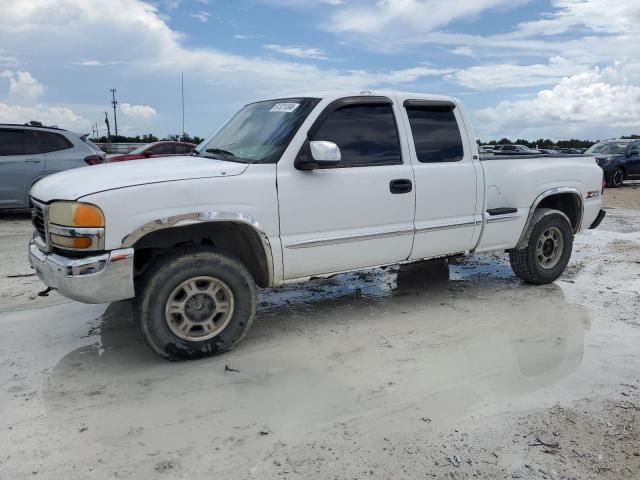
(260, 132)
(611, 148)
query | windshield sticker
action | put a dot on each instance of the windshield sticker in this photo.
(284, 107)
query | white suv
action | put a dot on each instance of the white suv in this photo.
(28, 153)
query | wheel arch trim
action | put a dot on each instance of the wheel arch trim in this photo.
(546, 194)
(195, 218)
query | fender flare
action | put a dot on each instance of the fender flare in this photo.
(548, 193)
(200, 218)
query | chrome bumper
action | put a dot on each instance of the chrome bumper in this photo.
(98, 279)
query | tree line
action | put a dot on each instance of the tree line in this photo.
(548, 143)
(147, 138)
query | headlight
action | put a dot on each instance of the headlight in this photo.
(76, 226)
(75, 214)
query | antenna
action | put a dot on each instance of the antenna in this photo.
(114, 103)
(182, 94)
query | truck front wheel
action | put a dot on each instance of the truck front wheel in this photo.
(549, 244)
(196, 303)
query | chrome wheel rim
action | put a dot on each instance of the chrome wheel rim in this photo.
(549, 247)
(199, 308)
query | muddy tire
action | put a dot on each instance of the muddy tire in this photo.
(549, 243)
(195, 303)
(615, 178)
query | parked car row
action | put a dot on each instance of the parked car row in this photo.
(619, 159)
(29, 153)
(524, 150)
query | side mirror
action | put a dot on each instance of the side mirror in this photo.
(634, 153)
(318, 154)
(148, 154)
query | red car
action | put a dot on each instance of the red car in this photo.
(156, 149)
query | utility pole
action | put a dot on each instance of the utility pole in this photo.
(114, 103)
(106, 121)
(182, 92)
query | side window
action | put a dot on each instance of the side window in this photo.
(163, 149)
(435, 134)
(52, 142)
(366, 135)
(11, 142)
(183, 149)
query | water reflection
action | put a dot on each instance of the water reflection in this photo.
(409, 337)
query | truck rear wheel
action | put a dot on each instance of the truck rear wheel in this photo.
(549, 245)
(196, 303)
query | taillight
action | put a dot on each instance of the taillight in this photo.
(93, 159)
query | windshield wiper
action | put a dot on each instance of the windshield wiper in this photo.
(220, 152)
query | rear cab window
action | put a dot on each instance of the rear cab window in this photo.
(435, 130)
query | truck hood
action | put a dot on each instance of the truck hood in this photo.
(76, 183)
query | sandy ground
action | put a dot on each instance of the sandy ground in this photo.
(426, 371)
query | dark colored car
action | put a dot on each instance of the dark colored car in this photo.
(620, 160)
(156, 149)
(570, 151)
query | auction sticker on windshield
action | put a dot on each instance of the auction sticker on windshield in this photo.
(284, 107)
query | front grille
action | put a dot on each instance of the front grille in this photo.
(39, 219)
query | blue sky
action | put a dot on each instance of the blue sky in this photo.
(558, 68)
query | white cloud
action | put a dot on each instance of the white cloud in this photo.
(487, 77)
(142, 112)
(604, 16)
(245, 37)
(172, 4)
(8, 60)
(96, 63)
(134, 31)
(201, 16)
(298, 51)
(596, 103)
(203, 2)
(61, 116)
(402, 16)
(302, 3)
(464, 51)
(22, 85)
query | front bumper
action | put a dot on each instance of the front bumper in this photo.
(103, 278)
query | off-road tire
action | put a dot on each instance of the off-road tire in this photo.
(616, 178)
(168, 272)
(525, 262)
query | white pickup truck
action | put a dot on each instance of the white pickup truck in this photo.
(295, 188)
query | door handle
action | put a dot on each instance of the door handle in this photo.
(401, 185)
(32, 160)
